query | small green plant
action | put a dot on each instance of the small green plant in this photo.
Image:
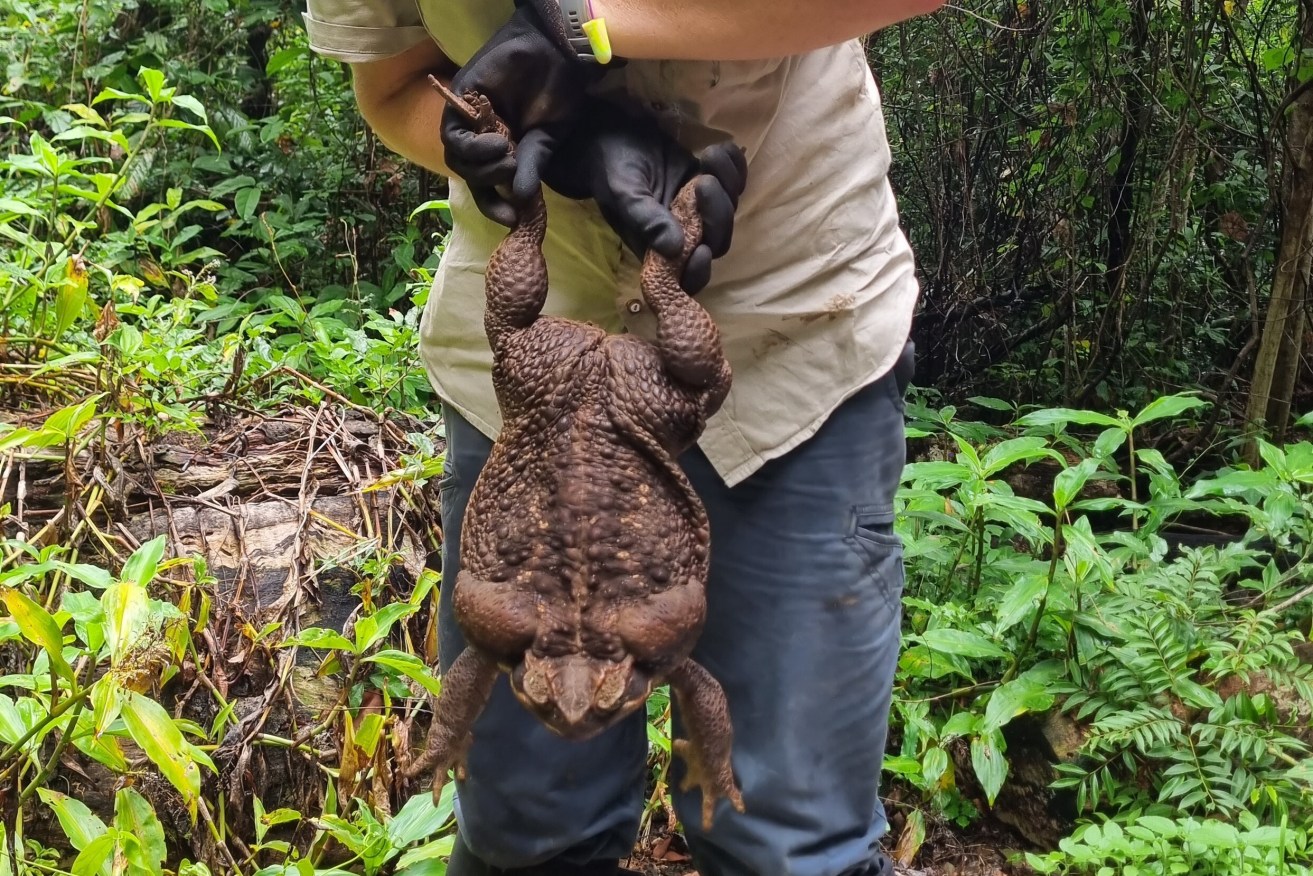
(1188, 699)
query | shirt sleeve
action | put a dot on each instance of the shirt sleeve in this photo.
(363, 30)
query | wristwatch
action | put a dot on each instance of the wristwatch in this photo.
(587, 35)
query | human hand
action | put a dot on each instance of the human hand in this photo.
(535, 82)
(633, 170)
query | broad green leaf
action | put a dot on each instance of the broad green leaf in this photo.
(961, 643)
(126, 614)
(1020, 599)
(1274, 456)
(116, 94)
(1233, 483)
(153, 730)
(95, 858)
(1109, 442)
(104, 749)
(410, 666)
(85, 113)
(143, 563)
(92, 576)
(67, 422)
(960, 724)
(191, 104)
(990, 766)
(419, 818)
(134, 815)
(10, 205)
(369, 733)
(427, 859)
(246, 201)
(371, 629)
(154, 81)
(1168, 406)
(106, 703)
(39, 628)
(993, 404)
(318, 637)
(934, 763)
(267, 820)
(1212, 834)
(920, 661)
(1164, 827)
(1017, 697)
(443, 207)
(1195, 694)
(188, 126)
(12, 725)
(79, 824)
(1012, 451)
(1070, 481)
(937, 474)
(281, 58)
(1065, 416)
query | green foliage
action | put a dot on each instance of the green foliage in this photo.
(1179, 668)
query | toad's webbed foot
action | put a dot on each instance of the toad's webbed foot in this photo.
(466, 687)
(706, 751)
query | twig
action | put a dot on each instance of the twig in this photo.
(1287, 603)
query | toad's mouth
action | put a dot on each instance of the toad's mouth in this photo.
(577, 695)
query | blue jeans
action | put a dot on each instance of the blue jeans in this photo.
(802, 632)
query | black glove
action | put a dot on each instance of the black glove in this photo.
(535, 82)
(633, 170)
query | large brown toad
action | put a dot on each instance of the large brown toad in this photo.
(585, 548)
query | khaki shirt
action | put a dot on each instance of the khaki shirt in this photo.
(816, 296)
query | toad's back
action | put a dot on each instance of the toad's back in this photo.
(590, 506)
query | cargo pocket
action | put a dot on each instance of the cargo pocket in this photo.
(871, 534)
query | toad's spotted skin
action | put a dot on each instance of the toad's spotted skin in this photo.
(585, 549)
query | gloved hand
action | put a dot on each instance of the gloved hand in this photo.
(633, 170)
(536, 82)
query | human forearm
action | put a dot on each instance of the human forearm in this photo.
(734, 30)
(401, 107)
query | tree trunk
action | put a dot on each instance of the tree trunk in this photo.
(1273, 387)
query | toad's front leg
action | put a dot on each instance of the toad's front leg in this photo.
(707, 750)
(466, 687)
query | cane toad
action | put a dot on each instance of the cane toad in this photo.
(585, 548)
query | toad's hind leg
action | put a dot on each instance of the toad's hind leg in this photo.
(687, 337)
(516, 283)
(498, 617)
(466, 687)
(710, 737)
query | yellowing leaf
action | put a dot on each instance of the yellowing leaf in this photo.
(126, 613)
(161, 740)
(76, 820)
(38, 627)
(72, 295)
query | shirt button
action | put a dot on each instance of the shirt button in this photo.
(633, 305)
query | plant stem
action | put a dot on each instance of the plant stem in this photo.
(980, 549)
(54, 715)
(48, 770)
(1033, 635)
